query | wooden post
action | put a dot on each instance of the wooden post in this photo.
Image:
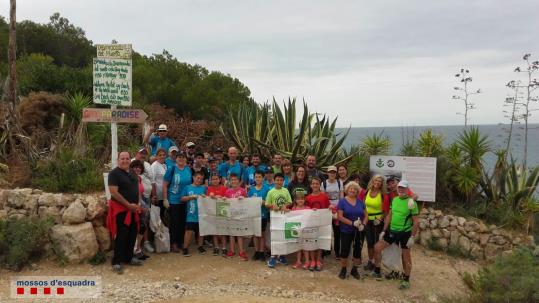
(12, 56)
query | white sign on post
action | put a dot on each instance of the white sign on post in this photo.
(420, 172)
(114, 51)
(300, 230)
(112, 81)
(230, 217)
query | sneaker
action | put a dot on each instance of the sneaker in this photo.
(297, 265)
(224, 252)
(140, 255)
(148, 247)
(243, 256)
(136, 262)
(256, 256)
(393, 275)
(377, 276)
(186, 252)
(117, 268)
(201, 250)
(230, 254)
(312, 266)
(369, 266)
(216, 251)
(342, 274)
(272, 262)
(354, 272)
(404, 285)
(318, 266)
(306, 265)
(282, 260)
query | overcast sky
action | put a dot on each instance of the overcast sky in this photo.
(371, 63)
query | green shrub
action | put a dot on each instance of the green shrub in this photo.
(22, 240)
(67, 172)
(513, 278)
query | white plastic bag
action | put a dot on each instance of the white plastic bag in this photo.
(391, 257)
(155, 217)
(162, 240)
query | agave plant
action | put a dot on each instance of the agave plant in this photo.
(474, 146)
(430, 144)
(376, 144)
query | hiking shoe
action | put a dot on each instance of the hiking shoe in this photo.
(117, 268)
(230, 254)
(272, 262)
(312, 266)
(201, 250)
(354, 273)
(136, 262)
(369, 266)
(342, 274)
(243, 256)
(377, 276)
(282, 260)
(297, 265)
(318, 266)
(216, 251)
(148, 247)
(404, 285)
(186, 252)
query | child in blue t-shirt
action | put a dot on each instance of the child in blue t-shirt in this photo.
(190, 195)
(260, 190)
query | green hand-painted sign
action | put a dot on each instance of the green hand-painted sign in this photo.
(291, 230)
(222, 209)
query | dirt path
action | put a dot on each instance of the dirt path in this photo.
(174, 278)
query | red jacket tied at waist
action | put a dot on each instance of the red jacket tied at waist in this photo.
(115, 209)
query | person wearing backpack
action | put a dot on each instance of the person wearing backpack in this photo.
(377, 203)
(400, 227)
(335, 191)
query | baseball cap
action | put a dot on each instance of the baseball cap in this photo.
(332, 168)
(403, 183)
(173, 148)
(268, 169)
(211, 159)
(189, 144)
(142, 149)
(162, 127)
(181, 155)
(218, 150)
(392, 178)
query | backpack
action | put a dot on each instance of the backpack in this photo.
(324, 184)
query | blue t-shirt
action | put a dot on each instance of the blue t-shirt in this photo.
(262, 193)
(169, 162)
(286, 181)
(192, 205)
(351, 213)
(156, 143)
(249, 174)
(269, 186)
(176, 182)
(225, 169)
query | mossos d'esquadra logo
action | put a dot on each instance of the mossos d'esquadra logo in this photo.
(222, 209)
(291, 230)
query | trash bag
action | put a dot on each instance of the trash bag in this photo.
(155, 217)
(162, 239)
(391, 257)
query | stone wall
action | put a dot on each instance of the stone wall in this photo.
(471, 237)
(79, 231)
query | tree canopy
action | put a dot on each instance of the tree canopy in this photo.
(57, 57)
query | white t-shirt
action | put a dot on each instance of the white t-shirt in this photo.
(158, 173)
(333, 191)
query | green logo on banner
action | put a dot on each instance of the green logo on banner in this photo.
(291, 230)
(222, 209)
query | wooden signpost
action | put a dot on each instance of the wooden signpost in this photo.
(125, 115)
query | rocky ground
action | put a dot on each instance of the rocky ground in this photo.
(174, 278)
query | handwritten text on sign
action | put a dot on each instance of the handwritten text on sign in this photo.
(112, 81)
(117, 115)
(114, 51)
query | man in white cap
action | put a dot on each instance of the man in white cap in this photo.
(400, 227)
(171, 159)
(190, 152)
(159, 139)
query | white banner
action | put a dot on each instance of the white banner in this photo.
(229, 217)
(420, 172)
(300, 229)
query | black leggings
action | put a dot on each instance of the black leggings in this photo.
(177, 213)
(124, 243)
(336, 239)
(372, 232)
(346, 242)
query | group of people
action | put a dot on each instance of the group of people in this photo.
(384, 212)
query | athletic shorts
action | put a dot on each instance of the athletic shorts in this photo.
(192, 226)
(264, 224)
(399, 237)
